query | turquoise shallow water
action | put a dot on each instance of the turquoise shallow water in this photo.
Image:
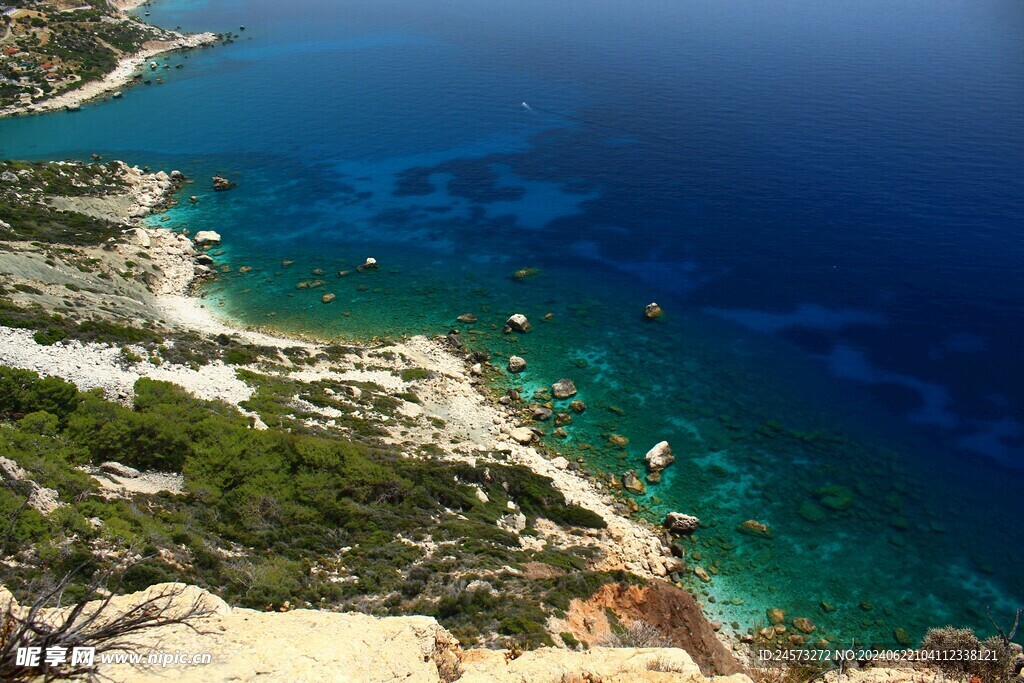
(828, 216)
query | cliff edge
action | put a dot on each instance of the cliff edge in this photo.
(309, 645)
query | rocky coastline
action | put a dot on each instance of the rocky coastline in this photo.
(479, 424)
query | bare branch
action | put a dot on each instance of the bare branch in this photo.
(91, 623)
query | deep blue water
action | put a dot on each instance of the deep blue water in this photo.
(826, 198)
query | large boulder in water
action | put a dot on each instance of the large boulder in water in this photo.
(207, 237)
(516, 364)
(221, 184)
(517, 322)
(679, 523)
(659, 457)
(632, 483)
(563, 388)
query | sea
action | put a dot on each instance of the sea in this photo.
(826, 199)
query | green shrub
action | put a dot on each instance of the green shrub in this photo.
(23, 392)
(413, 374)
(570, 640)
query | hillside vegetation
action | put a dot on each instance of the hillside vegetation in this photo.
(272, 519)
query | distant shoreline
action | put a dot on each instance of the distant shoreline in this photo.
(122, 75)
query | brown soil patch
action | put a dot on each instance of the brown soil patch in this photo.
(672, 610)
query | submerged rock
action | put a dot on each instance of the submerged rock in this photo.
(776, 616)
(524, 273)
(659, 457)
(618, 440)
(578, 406)
(834, 497)
(652, 311)
(752, 527)
(516, 364)
(467, 318)
(811, 512)
(804, 624)
(679, 523)
(327, 298)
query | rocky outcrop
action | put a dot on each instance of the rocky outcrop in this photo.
(516, 364)
(632, 483)
(41, 499)
(207, 237)
(542, 414)
(301, 645)
(672, 611)
(619, 665)
(679, 523)
(517, 322)
(119, 470)
(563, 388)
(652, 311)
(313, 646)
(659, 457)
(221, 184)
(523, 435)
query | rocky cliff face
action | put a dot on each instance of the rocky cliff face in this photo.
(308, 645)
(673, 612)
